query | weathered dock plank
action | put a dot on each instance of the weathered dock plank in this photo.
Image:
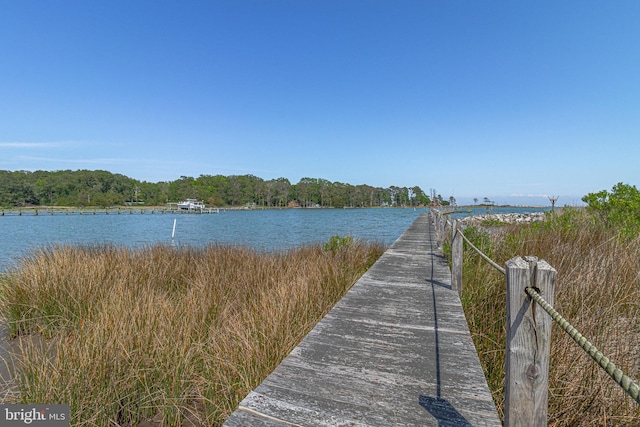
(395, 351)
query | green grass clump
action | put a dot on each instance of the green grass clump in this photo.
(337, 242)
(170, 333)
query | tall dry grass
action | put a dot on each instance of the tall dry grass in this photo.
(597, 290)
(168, 333)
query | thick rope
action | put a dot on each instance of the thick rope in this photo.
(623, 381)
(486, 258)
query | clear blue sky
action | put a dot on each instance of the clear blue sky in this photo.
(497, 99)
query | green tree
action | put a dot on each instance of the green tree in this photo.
(280, 189)
(152, 194)
(619, 208)
(420, 198)
(308, 192)
(182, 189)
(214, 189)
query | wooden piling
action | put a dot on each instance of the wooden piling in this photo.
(528, 342)
(456, 259)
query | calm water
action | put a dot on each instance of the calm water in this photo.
(259, 229)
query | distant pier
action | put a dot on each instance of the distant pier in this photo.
(106, 211)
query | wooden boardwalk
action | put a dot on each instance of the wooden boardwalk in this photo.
(395, 351)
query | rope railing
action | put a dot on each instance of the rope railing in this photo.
(485, 257)
(533, 273)
(627, 384)
(478, 251)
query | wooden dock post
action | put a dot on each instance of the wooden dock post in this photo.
(528, 342)
(456, 259)
(436, 220)
(438, 223)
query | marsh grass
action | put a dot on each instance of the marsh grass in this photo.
(597, 290)
(170, 333)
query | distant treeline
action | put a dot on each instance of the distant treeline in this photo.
(103, 188)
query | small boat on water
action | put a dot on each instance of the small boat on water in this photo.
(191, 204)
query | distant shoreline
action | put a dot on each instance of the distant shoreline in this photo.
(503, 206)
(165, 207)
(161, 210)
